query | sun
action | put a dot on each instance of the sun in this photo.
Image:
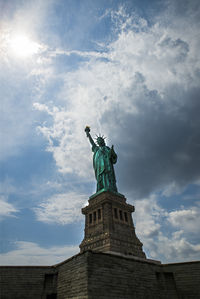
(21, 45)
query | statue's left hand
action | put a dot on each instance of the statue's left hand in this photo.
(113, 155)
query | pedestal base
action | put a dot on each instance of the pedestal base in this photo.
(109, 225)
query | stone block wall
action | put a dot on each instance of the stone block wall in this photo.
(95, 275)
(186, 277)
(118, 277)
(27, 282)
(112, 276)
(73, 278)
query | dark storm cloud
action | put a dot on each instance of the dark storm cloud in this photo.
(160, 144)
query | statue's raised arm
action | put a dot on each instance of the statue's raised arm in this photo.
(103, 160)
(87, 131)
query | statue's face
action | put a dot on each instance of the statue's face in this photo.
(100, 141)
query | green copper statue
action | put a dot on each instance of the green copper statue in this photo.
(103, 160)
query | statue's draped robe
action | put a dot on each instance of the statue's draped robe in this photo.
(103, 160)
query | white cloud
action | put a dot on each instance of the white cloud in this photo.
(172, 189)
(155, 228)
(175, 248)
(138, 80)
(186, 219)
(148, 217)
(6, 208)
(29, 253)
(61, 208)
(85, 54)
(70, 153)
(17, 85)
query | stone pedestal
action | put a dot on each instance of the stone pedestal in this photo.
(109, 225)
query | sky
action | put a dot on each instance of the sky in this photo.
(130, 70)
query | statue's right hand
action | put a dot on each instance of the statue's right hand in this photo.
(87, 130)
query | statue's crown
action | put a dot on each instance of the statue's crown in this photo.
(100, 136)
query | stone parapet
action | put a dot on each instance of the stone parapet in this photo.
(98, 275)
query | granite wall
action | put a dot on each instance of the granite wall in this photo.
(186, 278)
(73, 278)
(99, 275)
(27, 282)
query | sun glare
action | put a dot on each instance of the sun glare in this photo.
(22, 46)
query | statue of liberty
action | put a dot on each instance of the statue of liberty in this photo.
(103, 160)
